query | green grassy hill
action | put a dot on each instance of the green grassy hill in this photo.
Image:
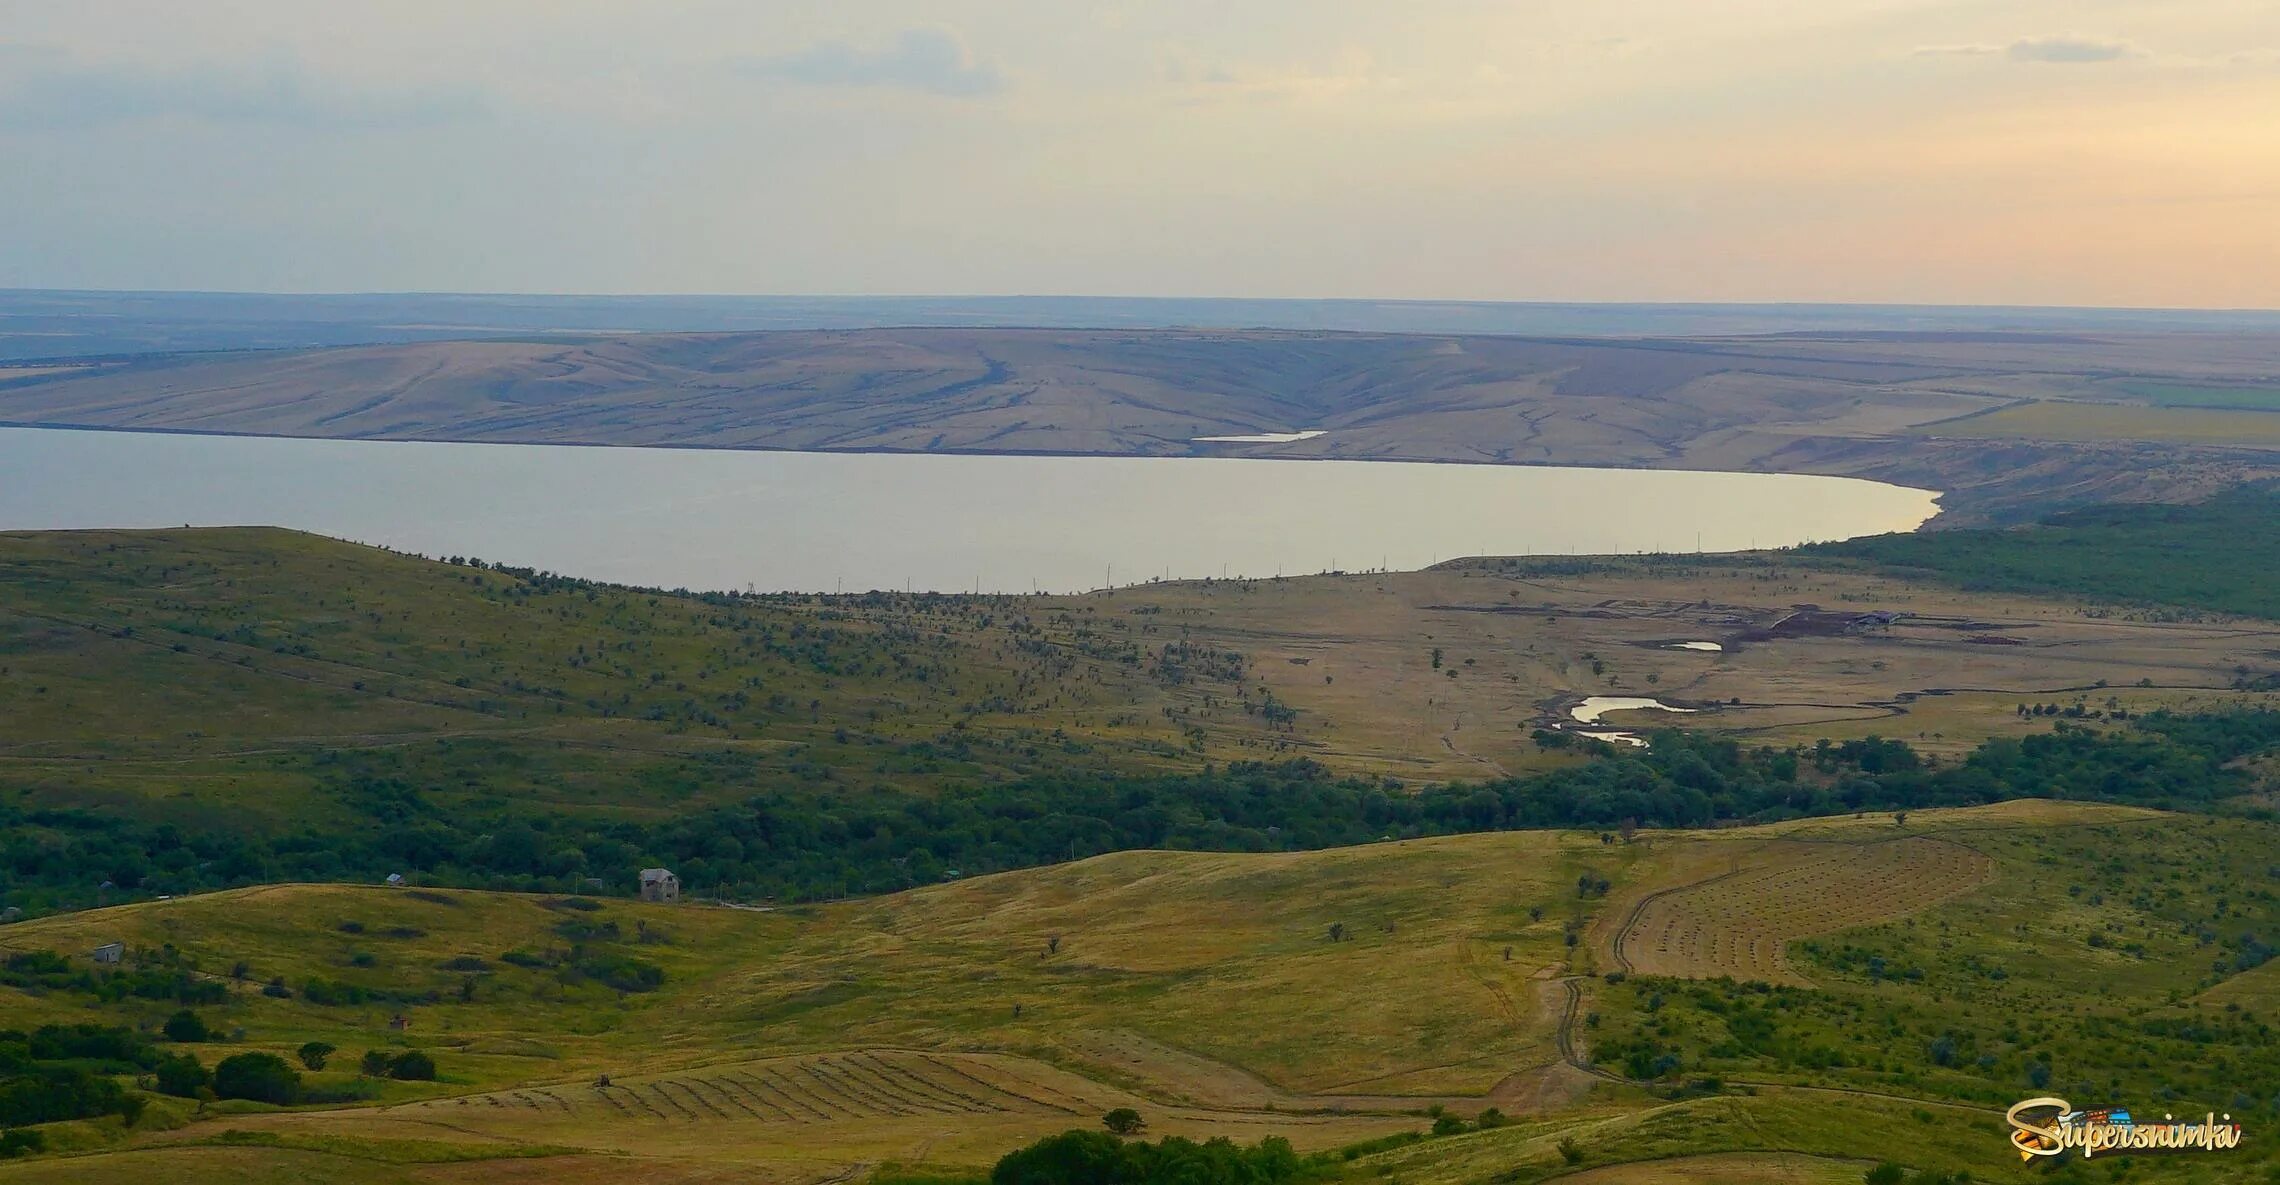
(301, 687)
(205, 709)
(1333, 997)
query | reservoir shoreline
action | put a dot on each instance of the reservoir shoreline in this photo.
(852, 520)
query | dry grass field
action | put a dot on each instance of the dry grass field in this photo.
(1518, 644)
(188, 682)
(1727, 903)
(942, 1025)
(1737, 923)
(798, 1119)
(2065, 420)
(1733, 1168)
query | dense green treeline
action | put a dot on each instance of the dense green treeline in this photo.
(1099, 1158)
(63, 1072)
(2221, 555)
(827, 843)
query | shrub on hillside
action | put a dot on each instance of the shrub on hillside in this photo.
(1099, 1158)
(260, 1077)
(186, 1027)
(181, 1075)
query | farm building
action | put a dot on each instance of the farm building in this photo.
(395, 880)
(10, 914)
(659, 884)
(111, 952)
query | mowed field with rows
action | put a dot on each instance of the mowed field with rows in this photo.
(1738, 923)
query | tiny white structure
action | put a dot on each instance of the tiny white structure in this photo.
(395, 880)
(10, 914)
(659, 884)
(111, 952)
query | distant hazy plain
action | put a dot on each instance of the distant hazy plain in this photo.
(716, 519)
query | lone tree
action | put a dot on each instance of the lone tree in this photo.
(1124, 1121)
(261, 1077)
(186, 1027)
(1337, 931)
(314, 1053)
(180, 1075)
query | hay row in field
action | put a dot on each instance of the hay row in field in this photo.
(1739, 923)
(826, 1088)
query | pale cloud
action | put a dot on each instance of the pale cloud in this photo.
(45, 88)
(2048, 50)
(929, 61)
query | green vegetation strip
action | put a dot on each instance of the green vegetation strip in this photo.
(2219, 556)
(806, 845)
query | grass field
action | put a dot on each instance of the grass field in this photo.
(200, 647)
(1210, 992)
(1738, 924)
(2245, 397)
(1202, 961)
(2228, 426)
(169, 673)
(1627, 995)
(2208, 560)
(2108, 955)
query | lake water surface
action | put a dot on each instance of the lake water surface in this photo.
(714, 519)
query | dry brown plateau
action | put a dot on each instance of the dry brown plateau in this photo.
(1520, 642)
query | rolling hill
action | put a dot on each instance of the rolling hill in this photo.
(1330, 997)
(1869, 404)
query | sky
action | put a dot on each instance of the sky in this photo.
(2084, 152)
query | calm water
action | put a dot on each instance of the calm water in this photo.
(854, 521)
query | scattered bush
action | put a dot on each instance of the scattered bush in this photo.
(624, 972)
